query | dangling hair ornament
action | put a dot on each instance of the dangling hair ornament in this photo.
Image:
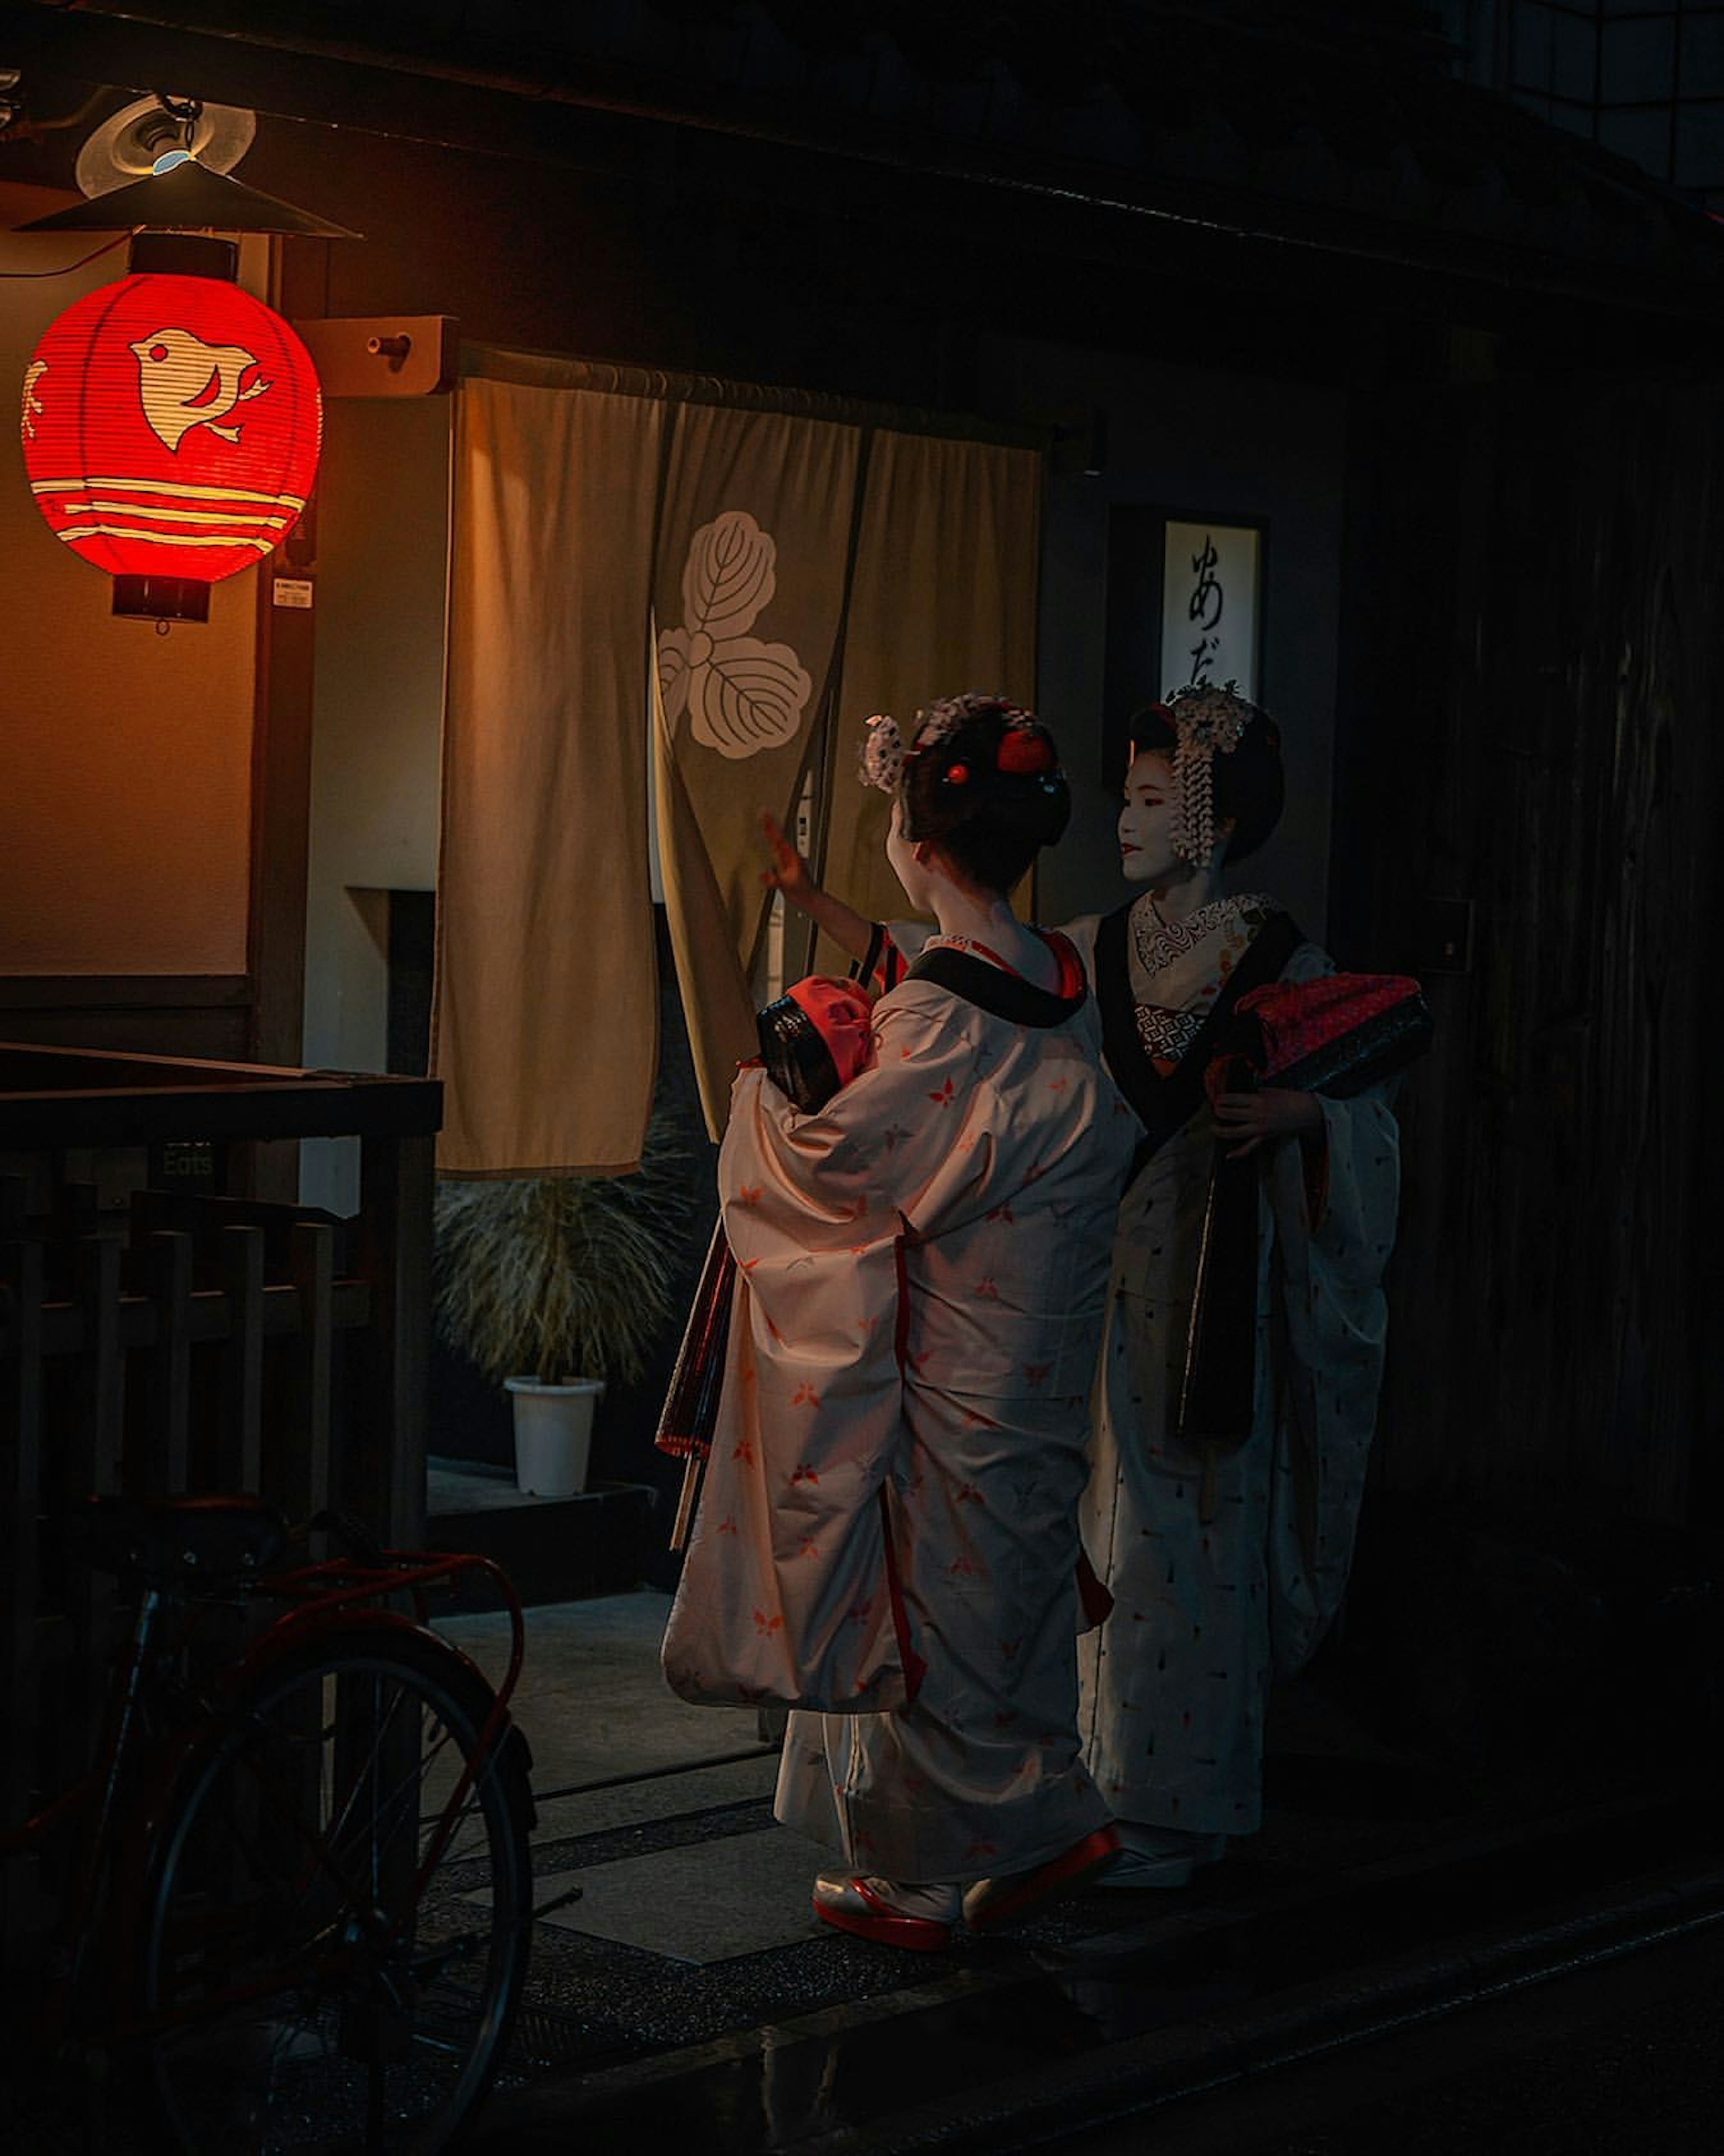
(880, 761)
(1208, 722)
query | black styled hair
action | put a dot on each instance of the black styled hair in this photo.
(1249, 784)
(990, 793)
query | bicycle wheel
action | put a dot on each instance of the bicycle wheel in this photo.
(331, 1954)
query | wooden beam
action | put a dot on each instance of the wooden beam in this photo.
(281, 752)
(65, 1326)
(383, 1452)
(101, 992)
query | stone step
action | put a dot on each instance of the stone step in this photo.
(554, 1549)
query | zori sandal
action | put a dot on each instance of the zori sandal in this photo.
(918, 1917)
(992, 1901)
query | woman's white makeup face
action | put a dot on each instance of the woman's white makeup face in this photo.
(1146, 853)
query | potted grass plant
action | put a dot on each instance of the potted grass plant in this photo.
(553, 1286)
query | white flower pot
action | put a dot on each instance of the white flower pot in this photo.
(553, 1433)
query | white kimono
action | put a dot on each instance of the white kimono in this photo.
(1206, 1608)
(922, 1271)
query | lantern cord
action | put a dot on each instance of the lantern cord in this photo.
(185, 111)
(66, 269)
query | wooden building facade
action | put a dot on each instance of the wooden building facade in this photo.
(1481, 348)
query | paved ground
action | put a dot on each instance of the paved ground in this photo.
(687, 1994)
(1622, 2060)
(592, 1703)
(689, 1982)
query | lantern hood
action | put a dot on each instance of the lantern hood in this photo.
(131, 143)
(189, 198)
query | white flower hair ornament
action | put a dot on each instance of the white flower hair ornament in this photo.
(1208, 722)
(880, 759)
(884, 751)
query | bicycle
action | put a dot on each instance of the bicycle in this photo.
(299, 1909)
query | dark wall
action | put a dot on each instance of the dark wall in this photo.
(704, 251)
(1527, 666)
(1529, 720)
(664, 267)
(694, 264)
(1199, 435)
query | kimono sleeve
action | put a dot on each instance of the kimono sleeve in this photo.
(910, 938)
(1080, 932)
(849, 1176)
(787, 1590)
(1334, 1233)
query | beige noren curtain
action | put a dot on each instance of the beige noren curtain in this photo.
(942, 599)
(545, 1026)
(754, 536)
(611, 545)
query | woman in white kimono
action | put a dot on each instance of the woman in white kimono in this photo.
(888, 1530)
(1223, 1526)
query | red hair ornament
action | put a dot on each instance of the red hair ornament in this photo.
(1027, 754)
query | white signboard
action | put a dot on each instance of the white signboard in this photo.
(1210, 577)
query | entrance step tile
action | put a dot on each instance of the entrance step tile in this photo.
(645, 1803)
(707, 1901)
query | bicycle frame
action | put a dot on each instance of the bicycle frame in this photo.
(328, 1593)
(324, 1600)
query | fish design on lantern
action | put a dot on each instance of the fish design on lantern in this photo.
(32, 403)
(184, 382)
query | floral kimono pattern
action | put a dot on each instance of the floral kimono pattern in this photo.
(890, 1526)
(1219, 1581)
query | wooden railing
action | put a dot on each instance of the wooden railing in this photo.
(154, 1341)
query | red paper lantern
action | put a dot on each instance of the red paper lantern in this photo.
(171, 427)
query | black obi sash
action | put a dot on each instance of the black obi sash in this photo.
(1217, 1389)
(1002, 993)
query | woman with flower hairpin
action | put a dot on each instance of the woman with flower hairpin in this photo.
(918, 1195)
(1236, 1394)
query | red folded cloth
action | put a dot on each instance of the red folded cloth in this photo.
(842, 1013)
(1336, 1034)
(816, 1037)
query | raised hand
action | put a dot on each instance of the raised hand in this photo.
(786, 870)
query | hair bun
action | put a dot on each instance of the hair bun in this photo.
(1028, 752)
